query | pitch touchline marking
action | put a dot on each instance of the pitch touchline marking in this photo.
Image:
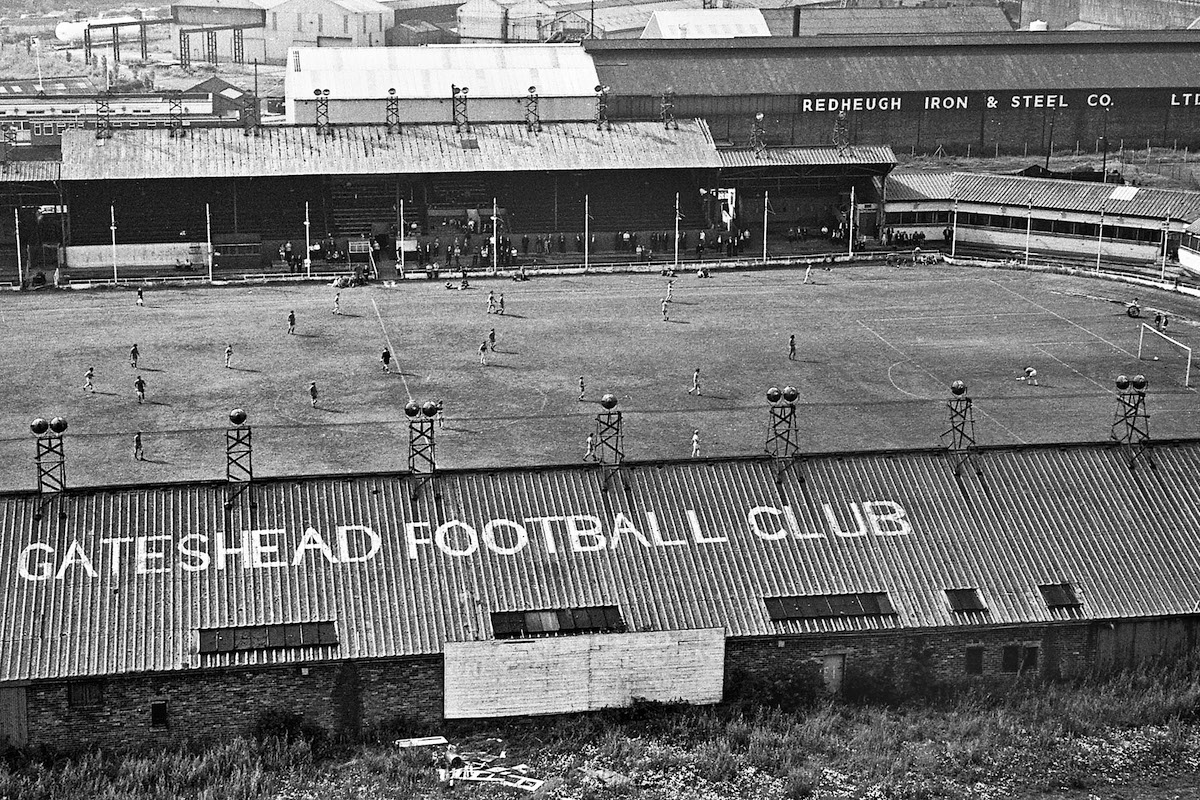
(395, 358)
(935, 377)
(925, 318)
(1077, 372)
(1060, 316)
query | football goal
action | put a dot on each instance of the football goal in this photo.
(1176, 356)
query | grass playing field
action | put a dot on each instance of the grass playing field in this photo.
(877, 349)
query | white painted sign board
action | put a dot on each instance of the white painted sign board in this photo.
(564, 674)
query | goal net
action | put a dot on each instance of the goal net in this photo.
(1174, 356)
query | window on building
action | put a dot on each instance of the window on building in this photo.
(556, 621)
(345, 23)
(818, 606)
(274, 20)
(1019, 658)
(975, 660)
(299, 21)
(1060, 595)
(381, 23)
(965, 600)
(364, 19)
(158, 714)
(84, 694)
(320, 23)
(266, 637)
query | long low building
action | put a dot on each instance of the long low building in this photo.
(1011, 93)
(142, 615)
(1011, 212)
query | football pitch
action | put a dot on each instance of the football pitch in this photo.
(877, 348)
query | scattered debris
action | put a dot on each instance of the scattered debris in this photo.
(479, 766)
(606, 777)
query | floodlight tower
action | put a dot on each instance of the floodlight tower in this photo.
(393, 112)
(758, 134)
(50, 457)
(239, 460)
(602, 95)
(610, 439)
(783, 435)
(323, 126)
(533, 118)
(962, 447)
(667, 110)
(458, 108)
(1131, 425)
(421, 450)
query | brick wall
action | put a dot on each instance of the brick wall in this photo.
(902, 662)
(340, 698)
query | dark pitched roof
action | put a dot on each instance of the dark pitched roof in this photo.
(876, 64)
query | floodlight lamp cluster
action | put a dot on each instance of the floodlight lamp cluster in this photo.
(1138, 382)
(788, 395)
(458, 91)
(237, 416)
(608, 402)
(412, 410)
(41, 427)
(958, 388)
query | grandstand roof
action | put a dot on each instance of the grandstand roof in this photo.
(806, 156)
(886, 21)
(1045, 193)
(29, 171)
(120, 580)
(908, 186)
(918, 63)
(488, 70)
(369, 149)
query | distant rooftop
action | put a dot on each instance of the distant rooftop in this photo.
(886, 21)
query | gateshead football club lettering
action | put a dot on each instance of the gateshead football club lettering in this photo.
(553, 535)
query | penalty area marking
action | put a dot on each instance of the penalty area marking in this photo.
(1036, 304)
(392, 349)
(998, 423)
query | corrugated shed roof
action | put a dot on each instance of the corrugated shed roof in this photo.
(806, 156)
(29, 171)
(488, 70)
(710, 23)
(1046, 194)
(1049, 193)
(131, 574)
(903, 186)
(228, 153)
(616, 18)
(353, 6)
(1194, 227)
(856, 64)
(887, 21)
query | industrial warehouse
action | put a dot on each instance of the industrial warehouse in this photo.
(141, 614)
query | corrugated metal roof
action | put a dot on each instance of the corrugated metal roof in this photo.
(1045, 193)
(228, 153)
(853, 65)
(613, 19)
(488, 70)
(353, 6)
(902, 186)
(29, 171)
(131, 574)
(887, 21)
(710, 23)
(806, 156)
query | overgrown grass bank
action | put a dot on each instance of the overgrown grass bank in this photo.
(1137, 729)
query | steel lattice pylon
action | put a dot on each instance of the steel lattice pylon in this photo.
(422, 450)
(961, 447)
(1131, 423)
(50, 458)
